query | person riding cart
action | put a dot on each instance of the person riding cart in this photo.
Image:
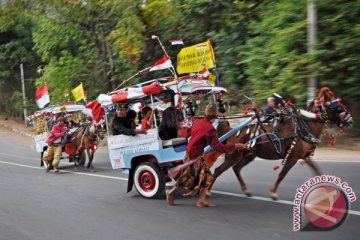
(122, 124)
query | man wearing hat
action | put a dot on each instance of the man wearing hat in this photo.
(122, 124)
(195, 175)
(54, 142)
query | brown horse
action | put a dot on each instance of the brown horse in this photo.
(332, 111)
(84, 142)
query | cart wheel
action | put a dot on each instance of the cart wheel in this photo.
(149, 180)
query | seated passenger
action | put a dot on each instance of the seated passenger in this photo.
(122, 124)
(148, 120)
(131, 115)
(169, 125)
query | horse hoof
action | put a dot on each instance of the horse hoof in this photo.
(248, 194)
(208, 194)
(92, 170)
(274, 196)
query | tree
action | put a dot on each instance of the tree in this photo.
(16, 47)
(275, 51)
(338, 50)
(260, 46)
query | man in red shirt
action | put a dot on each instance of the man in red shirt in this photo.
(197, 175)
(54, 141)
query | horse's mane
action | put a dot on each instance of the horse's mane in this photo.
(326, 93)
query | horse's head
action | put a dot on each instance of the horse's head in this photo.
(331, 108)
(338, 113)
(223, 127)
(97, 131)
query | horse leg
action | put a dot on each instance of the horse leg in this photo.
(91, 157)
(75, 157)
(309, 161)
(237, 168)
(83, 155)
(229, 161)
(288, 165)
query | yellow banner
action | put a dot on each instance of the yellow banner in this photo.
(78, 93)
(194, 58)
(212, 79)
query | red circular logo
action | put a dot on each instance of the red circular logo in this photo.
(326, 206)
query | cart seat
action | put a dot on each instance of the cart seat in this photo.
(174, 142)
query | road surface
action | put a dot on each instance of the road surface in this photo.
(84, 205)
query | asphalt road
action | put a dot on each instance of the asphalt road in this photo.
(84, 205)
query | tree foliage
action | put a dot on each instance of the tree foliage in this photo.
(260, 46)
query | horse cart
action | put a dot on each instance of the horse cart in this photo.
(43, 120)
(145, 157)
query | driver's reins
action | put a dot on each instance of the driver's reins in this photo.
(300, 131)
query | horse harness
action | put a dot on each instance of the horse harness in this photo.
(301, 131)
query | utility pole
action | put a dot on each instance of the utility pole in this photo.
(311, 41)
(23, 91)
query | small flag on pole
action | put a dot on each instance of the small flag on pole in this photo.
(177, 42)
(162, 63)
(66, 93)
(97, 111)
(78, 93)
(42, 96)
(205, 72)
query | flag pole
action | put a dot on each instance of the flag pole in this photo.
(172, 70)
(23, 91)
(133, 76)
(163, 48)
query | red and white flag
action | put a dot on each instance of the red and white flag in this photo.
(162, 63)
(97, 111)
(177, 42)
(42, 96)
(205, 72)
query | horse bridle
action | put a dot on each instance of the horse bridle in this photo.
(337, 108)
